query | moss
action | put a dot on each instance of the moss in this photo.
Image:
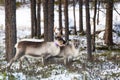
(115, 74)
(1, 2)
(112, 48)
(18, 4)
(81, 33)
(56, 2)
(102, 47)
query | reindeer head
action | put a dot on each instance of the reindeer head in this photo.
(76, 43)
(57, 32)
(60, 41)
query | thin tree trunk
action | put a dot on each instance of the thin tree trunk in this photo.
(10, 28)
(108, 28)
(38, 18)
(45, 8)
(81, 16)
(98, 12)
(94, 24)
(74, 17)
(66, 20)
(33, 19)
(50, 20)
(88, 30)
(60, 16)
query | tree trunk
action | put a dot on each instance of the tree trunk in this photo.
(88, 30)
(66, 20)
(98, 10)
(94, 24)
(75, 32)
(81, 16)
(33, 19)
(60, 16)
(108, 29)
(10, 28)
(38, 18)
(50, 20)
(45, 8)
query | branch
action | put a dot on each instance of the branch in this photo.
(116, 10)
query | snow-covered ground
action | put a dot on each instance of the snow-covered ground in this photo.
(24, 25)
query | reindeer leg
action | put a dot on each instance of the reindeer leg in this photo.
(27, 60)
(10, 63)
(21, 60)
(43, 61)
(65, 60)
(17, 56)
(45, 58)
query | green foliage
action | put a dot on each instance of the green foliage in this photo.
(56, 2)
(116, 0)
(2, 2)
(11, 77)
(3, 76)
(85, 75)
(18, 4)
(82, 33)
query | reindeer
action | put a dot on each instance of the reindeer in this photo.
(37, 48)
(34, 48)
(70, 50)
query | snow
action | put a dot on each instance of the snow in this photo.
(2, 16)
(65, 77)
(23, 17)
(34, 40)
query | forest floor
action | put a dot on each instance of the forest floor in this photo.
(105, 66)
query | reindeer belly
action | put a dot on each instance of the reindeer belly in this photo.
(36, 52)
(53, 50)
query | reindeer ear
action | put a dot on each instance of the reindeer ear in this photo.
(54, 28)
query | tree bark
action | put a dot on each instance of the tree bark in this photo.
(75, 32)
(98, 10)
(88, 30)
(45, 8)
(10, 28)
(50, 20)
(94, 24)
(66, 20)
(33, 19)
(60, 16)
(38, 18)
(108, 28)
(81, 16)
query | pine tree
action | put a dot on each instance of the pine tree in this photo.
(10, 28)
(108, 29)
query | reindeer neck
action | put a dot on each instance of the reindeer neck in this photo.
(75, 49)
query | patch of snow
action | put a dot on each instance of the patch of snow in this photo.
(33, 40)
(100, 36)
(68, 76)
